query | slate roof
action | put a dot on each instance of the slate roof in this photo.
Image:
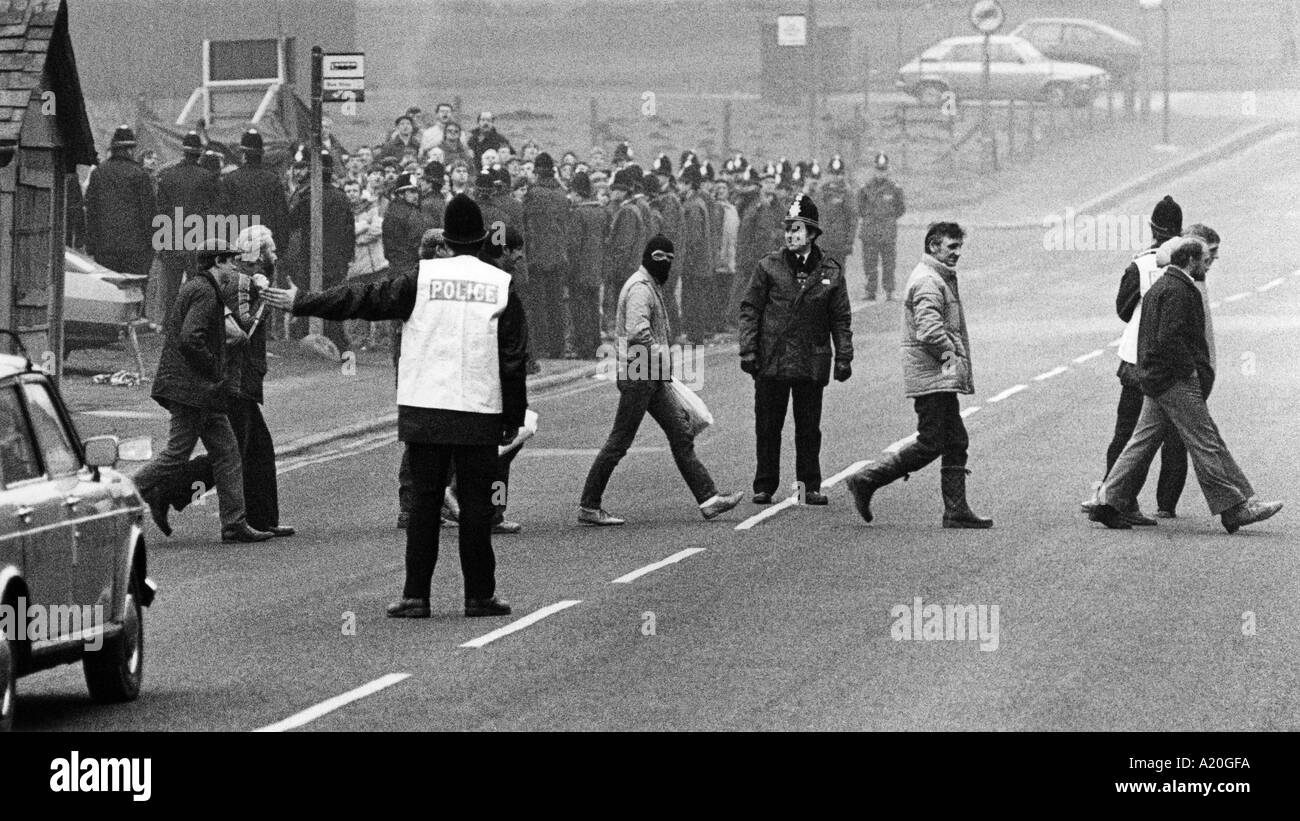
(32, 35)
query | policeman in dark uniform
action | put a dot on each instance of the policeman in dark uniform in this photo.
(839, 217)
(255, 190)
(196, 191)
(880, 204)
(796, 307)
(120, 208)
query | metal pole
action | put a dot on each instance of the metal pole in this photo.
(317, 183)
(1164, 17)
(985, 137)
(814, 74)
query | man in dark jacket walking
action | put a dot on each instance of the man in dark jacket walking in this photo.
(936, 368)
(1176, 375)
(546, 211)
(586, 248)
(120, 209)
(797, 305)
(253, 190)
(458, 398)
(193, 385)
(185, 190)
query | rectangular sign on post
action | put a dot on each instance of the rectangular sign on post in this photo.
(791, 30)
(343, 78)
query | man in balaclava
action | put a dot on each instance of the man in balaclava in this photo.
(642, 334)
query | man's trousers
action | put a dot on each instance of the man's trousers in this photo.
(1183, 409)
(257, 456)
(476, 467)
(771, 398)
(879, 246)
(161, 478)
(1173, 456)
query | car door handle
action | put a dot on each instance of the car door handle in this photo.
(72, 501)
(24, 513)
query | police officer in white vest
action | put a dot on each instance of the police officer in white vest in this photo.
(461, 392)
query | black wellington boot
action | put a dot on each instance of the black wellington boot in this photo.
(956, 513)
(867, 481)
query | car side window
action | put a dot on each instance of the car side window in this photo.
(51, 435)
(18, 459)
(966, 53)
(1047, 34)
(1004, 53)
(1080, 36)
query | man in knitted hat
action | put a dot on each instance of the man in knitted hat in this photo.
(120, 208)
(642, 337)
(546, 210)
(461, 393)
(796, 307)
(1166, 222)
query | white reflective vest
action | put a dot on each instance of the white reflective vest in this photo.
(449, 357)
(1147, 273)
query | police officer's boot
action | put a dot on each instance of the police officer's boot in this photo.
(867, 481)
(956, 513)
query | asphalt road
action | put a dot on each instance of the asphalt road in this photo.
(788, 625)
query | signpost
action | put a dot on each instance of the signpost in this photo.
(987, 16)
(344, 78)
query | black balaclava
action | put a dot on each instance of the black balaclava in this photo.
(657, 269)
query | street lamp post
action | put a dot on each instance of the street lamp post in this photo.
(1164, 14)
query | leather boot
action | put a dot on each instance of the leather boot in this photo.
(867, 481)
(956, 513)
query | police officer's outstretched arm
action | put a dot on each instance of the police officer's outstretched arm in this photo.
(391, 299)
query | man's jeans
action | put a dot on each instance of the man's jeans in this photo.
(190, 425)
(636, 398)
(940, 433)
(1173, 456)
(1182, 408)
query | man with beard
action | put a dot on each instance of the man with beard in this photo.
(796, 306)
(252, 190)
(625, 229)
(120, 208)
(644, 371)
(546, 211)
(586, 248)
(697, 255)
(936, 368)
(839, 217)
(194, 190)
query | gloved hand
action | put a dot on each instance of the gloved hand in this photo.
(843, 370)
(749, 364)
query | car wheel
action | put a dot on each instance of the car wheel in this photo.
(1057, 94)
(931, 94)
(8, 683)
(115, 671)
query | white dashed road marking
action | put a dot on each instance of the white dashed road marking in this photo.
(516, 626)
(969, 411)
(1081, 359)
(1268, 286)
(1057, 371)
(650, 568)
(793, 499)
(901, 443)
(1011, 391)
(1236, 297)
(330, 705)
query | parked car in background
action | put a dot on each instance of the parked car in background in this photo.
(1084, 41)
(1017, 71)
(73, 571)
(98, 303)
